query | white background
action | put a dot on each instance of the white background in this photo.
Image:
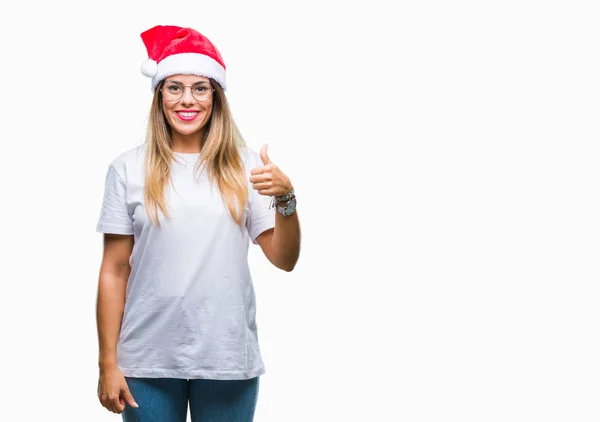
(445, 158)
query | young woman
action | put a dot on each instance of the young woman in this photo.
(176, 303)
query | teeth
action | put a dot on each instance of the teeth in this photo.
(187, 113)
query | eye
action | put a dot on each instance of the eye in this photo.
(201, 88)
(173, 88)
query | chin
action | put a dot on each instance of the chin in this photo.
(188, 131)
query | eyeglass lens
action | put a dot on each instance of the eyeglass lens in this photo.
(173, 91)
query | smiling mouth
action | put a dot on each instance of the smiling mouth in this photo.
(187, 115)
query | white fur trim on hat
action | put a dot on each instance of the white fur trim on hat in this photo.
(189, 64)
(149, 68)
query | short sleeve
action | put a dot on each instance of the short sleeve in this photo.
(114, 217)
(261, 216)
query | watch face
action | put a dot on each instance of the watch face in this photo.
(290, 207)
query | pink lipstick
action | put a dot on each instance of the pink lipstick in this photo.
(187, 115)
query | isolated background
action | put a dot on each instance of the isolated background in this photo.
(444, 155)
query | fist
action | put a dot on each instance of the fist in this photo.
(269, 179)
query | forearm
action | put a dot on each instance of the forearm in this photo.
(286, 240)
(109, 313)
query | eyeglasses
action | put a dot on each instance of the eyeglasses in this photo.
(173, 91)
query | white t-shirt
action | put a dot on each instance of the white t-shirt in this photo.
(190, 302)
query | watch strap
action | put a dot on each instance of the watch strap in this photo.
(283, 209)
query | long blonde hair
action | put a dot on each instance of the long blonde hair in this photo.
(219, 156)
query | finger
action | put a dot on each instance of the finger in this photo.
(258, 170)
(259, 186)
(263, 154)
(104, 401)
(113, 405)
(119, 406)
(129, 398)
(260, 178)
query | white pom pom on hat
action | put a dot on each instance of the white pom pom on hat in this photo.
(149, 68)
(175, 50)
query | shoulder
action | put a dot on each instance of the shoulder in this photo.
(129, 160)
(131, 156)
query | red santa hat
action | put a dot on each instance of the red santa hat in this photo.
(174, 50)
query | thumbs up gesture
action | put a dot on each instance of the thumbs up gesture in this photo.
(269, 179)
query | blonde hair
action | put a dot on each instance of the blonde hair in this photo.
(219, 156)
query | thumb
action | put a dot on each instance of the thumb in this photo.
(263, 154)
(129, 398)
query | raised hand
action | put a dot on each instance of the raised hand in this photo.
(269, 179)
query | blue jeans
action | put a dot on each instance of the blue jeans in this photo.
(166, 400)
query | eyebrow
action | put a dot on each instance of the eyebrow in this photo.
(181, 83)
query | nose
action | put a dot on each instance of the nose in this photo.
(187, 97)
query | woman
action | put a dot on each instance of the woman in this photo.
(176, 303)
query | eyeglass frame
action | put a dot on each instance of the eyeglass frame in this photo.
(183, 92)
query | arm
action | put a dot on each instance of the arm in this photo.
(113, 390)
(281, 245)
(114, 273)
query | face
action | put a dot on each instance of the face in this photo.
(188, 115)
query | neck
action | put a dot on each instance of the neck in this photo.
(187, 143)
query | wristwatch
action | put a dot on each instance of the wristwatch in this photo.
(288, 208)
